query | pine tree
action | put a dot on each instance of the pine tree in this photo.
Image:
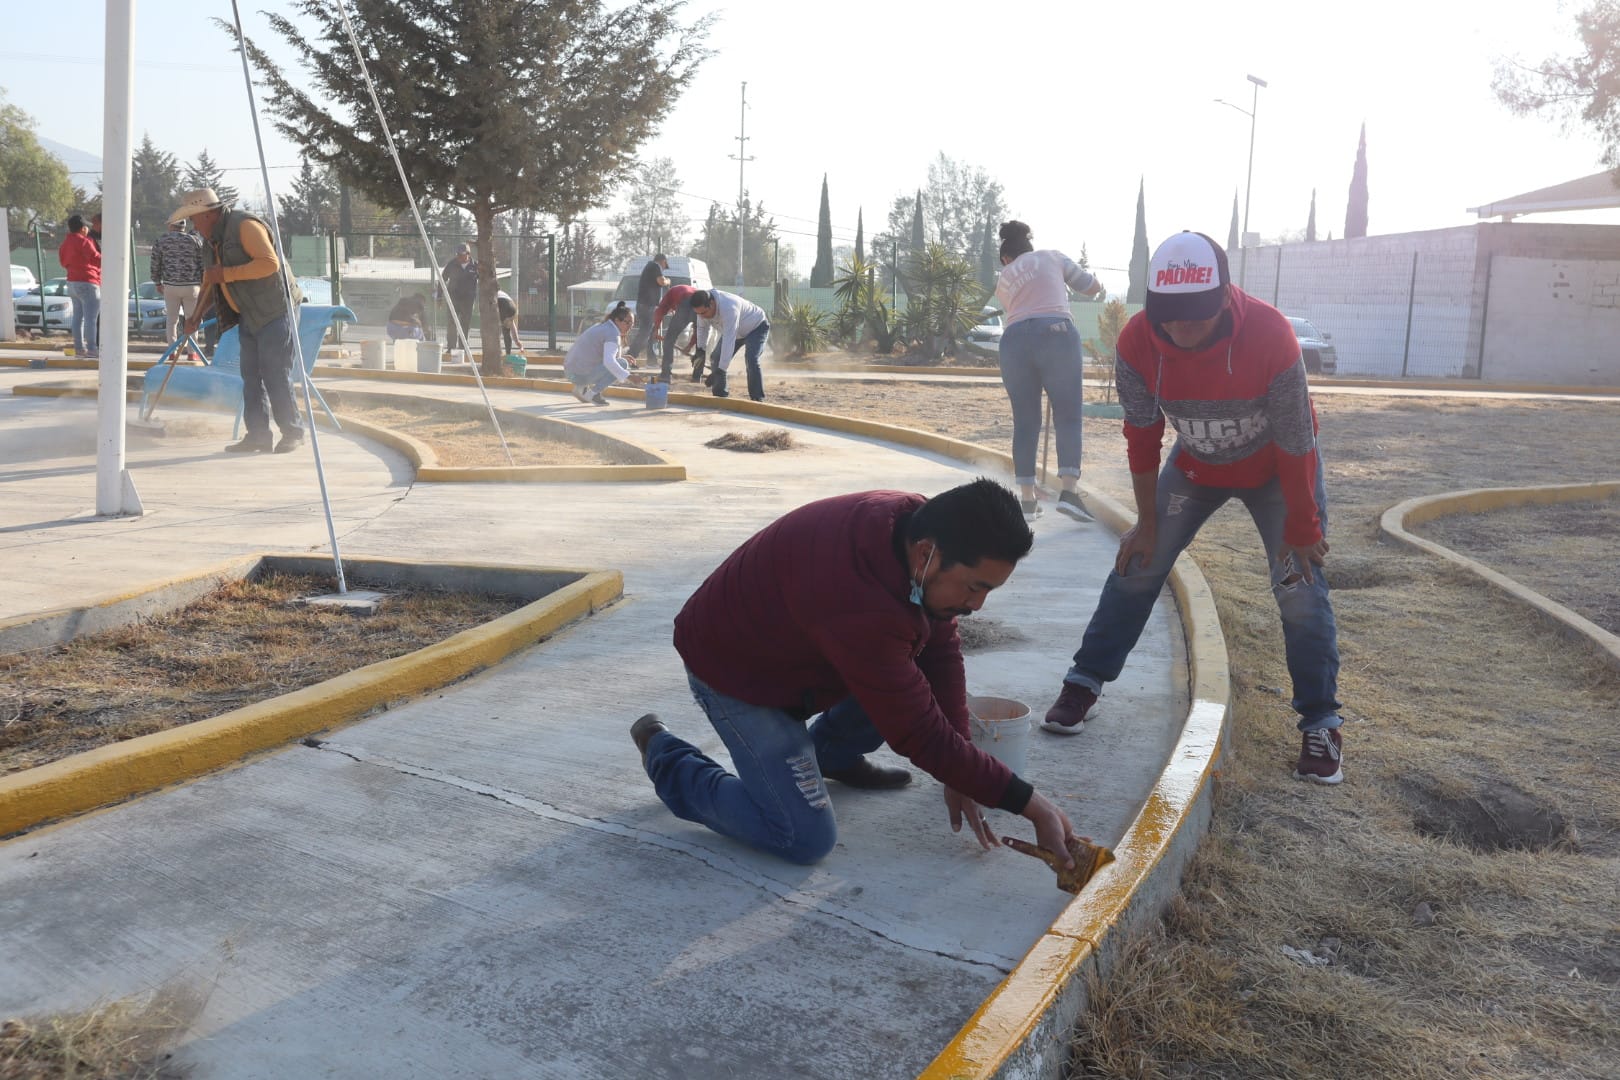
(203, 173)
(1137, 292)
(1310, 223)
(155, 190)
(821, 274)
(1233, 240)
(1355, 214)
(860, 237)
(1085, 258)
(308, 208)
(533, 106)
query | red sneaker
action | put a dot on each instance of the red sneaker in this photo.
(1321, 757)
(1068, 713)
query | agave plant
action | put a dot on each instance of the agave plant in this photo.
(805, 328)
(945, 301)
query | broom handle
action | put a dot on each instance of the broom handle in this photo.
(171, 357)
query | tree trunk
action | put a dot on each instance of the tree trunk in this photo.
(491, 359)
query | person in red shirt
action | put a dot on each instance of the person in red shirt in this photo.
(80, 256)
(676, 301)
(844, 611)
(1225, 370)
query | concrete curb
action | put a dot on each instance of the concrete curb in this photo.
(428, 470)
(1398, 519)
(110, 774)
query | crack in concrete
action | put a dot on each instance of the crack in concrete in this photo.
(713, 860)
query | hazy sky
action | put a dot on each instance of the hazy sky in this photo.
(1069, 106)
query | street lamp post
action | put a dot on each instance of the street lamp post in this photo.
(1248, 189)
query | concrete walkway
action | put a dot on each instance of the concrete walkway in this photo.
(481, 883)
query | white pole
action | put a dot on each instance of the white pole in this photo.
(115, 493)
(8, 315)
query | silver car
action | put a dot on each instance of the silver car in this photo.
(1320, 357)
(58, 307)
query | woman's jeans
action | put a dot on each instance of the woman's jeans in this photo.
(1036, 354)
(1310, 637)
(86, 316)
(595, 382)
(777, 801)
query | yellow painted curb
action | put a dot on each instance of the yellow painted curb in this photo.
(109, 774)
(429, 471)
(70, 363)
(1398, 520)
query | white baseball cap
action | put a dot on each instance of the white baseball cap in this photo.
(1187, 279)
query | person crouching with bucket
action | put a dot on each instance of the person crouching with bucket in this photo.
(596, 361)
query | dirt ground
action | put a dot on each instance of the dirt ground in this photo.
(470, 442)
(1548, 548)
(1458, 890)
(242, 644)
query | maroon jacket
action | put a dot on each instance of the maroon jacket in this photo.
(814, 609)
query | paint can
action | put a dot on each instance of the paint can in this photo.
(1001, 728)
(657, 395)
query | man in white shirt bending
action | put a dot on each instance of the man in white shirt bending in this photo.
(740, 323)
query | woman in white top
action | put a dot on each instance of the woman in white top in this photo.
(1040, 350)
(594, 362)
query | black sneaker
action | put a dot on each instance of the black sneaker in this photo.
(1069, 503)
(864, 774)
(642, 732)
(1068, 713)
(253, 444)
(290, 442)
(1031, 508)
(599, 399)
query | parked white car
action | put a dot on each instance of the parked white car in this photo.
(22, 279)
(988, 330)
(58, 307)
(682, 271)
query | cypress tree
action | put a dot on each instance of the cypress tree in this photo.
(1232, 237)
(919, 239)
(860, 237)
(1137, 293)
(1310, 223)
(1355, 214)
(821, 274)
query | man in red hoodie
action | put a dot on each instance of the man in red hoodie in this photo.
(1225, 369)
(844, 610)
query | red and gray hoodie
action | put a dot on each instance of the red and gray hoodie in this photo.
(1240, 407)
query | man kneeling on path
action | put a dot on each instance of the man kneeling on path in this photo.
(844, 608)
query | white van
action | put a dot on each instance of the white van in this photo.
(682, 271)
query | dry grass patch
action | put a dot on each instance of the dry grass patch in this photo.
(1547, 548)
(761, 442)
(128, 1039)
(1456, 698)
(243, 643)
(470, 441)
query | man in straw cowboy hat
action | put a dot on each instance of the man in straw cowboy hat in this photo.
(242, 281)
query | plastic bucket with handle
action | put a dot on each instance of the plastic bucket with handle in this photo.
(1001, 728)
(657, 395)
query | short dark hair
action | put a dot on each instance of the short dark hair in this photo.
(661, 258)
(1015, 239)
(700, 298)
(75, 222)
(981, 520)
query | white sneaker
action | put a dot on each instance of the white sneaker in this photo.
(581, 396)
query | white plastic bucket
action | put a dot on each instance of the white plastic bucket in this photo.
(1001, 728)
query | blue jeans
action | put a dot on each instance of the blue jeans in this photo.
(777, 801)
(86, 316)
(267, 364)
(595, 383)
(1310, 637)
(1038, 354)
(751, 347)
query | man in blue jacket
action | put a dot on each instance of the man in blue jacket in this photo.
(845, 611)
